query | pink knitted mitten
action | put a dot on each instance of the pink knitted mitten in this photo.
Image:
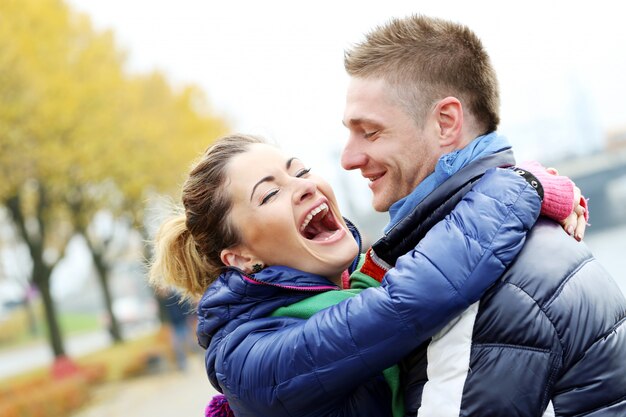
(558, 192)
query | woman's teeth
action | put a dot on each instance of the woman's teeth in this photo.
(312, 213)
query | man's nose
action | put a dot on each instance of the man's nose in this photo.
(352, 156)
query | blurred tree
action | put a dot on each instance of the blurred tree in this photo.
(166, 130)
(158, 133)
(78, 136)
(34, 45)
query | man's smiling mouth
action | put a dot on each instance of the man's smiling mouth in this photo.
(373, 177)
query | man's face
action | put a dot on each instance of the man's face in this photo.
(385, 143)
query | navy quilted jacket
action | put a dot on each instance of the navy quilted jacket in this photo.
(331, 363)
(548, 339)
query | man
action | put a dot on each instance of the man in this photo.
(550, 337)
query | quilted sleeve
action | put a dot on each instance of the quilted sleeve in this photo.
(307, 367)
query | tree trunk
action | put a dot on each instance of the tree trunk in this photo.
(103, 274)
(41, 272)
(54, 330)
(81, 220)
(33, 329)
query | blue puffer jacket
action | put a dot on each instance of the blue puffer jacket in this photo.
(548, 339)
(331, 363)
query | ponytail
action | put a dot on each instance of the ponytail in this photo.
(177, 261)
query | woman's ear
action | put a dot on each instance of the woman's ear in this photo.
(239, 257)
(449, 116)
(233, 257)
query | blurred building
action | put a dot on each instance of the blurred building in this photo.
(616, 140)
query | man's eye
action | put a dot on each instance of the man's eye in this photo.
(268, 197)
(368, 135)
(303, 172)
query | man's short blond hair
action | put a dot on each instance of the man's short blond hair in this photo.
(426, 59)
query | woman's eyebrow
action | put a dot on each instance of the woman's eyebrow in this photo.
(264, 179)
(270, 177)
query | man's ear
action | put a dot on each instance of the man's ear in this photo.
(449, 117)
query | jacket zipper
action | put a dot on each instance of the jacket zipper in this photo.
(320, 288)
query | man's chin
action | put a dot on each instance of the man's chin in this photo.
(381, 205)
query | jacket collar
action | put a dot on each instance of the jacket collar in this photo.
(236, 296)
(406, 233)
(447, 165)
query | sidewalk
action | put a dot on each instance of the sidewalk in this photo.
(16, 360)
(170, 393)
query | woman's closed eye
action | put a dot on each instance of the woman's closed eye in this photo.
(302, 172)
(273, 192)
(267, 197)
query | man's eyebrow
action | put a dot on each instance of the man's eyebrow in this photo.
(264, 179)
(358, 121)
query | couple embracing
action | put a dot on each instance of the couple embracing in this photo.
(471, 304)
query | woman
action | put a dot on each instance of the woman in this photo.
(263, 242)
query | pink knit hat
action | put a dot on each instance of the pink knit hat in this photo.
(218, 407)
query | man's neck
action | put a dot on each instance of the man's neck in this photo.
(447, 166)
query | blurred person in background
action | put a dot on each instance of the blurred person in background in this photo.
(549, 338)
(263, 244)
(180, 315)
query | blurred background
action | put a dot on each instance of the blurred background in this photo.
(104, 105)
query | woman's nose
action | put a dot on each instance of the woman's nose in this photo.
(305, 189)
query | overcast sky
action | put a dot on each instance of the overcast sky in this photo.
(276, 67)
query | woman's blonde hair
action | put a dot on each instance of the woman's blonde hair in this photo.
(187, 246)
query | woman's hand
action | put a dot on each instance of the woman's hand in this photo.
(576, 222)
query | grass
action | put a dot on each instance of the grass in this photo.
(72, 323)
(17, 330)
